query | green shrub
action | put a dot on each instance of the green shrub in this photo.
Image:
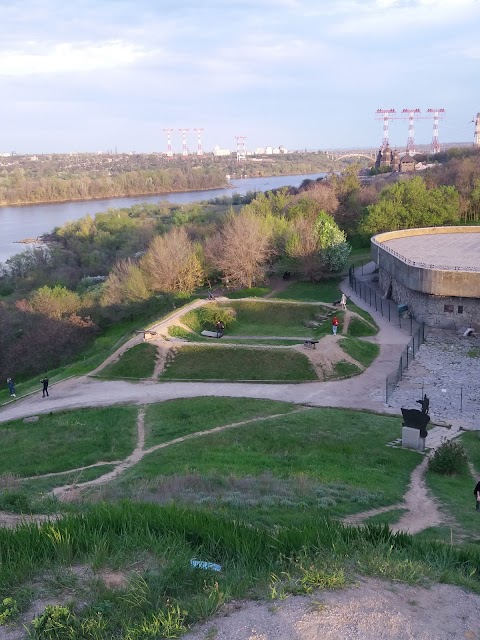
(208, 316)
(15, 501)
(55, 623)
(8, 610)
(449, 459)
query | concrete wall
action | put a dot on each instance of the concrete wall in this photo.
(431, 309)
(437, 282)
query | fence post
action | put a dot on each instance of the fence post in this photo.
(400, 320)
(413, 347)
(381, 306)
(386, 389)
(411, 325)
(401, 366)
(461, 398)
(388, 311)
(370, 295)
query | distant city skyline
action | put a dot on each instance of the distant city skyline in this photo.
(99, 74)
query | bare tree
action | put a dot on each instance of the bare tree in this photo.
(172, 263)
(241, 250)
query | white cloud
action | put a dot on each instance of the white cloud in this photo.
(68, 57)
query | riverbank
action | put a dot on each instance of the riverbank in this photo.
(35, 220)
(149, 194)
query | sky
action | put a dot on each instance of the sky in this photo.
(103, 74)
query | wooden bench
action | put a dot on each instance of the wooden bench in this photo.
(310, 344)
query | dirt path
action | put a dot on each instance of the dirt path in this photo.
(71, 492)
(326, 355)
(422, 510)
(163, 350)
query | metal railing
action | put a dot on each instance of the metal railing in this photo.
(390, 311)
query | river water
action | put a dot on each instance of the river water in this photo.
(32, 221)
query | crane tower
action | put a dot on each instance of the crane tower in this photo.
(199, 141)
(184, 142)
(476, 139)
(241, 151)
(412, 114)
(169, 143)
(385, 115)
(436, 117)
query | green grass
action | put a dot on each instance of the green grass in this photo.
(138, 362)
(474, 353)
(326, 291)
(67, 440)
(455, 494)
(254, 292)
(362, 313)
(265, 318)
(363, 352)
(358, 329)
(101, 347)
(321, 458)
(471, 442)
(166, 598)
(198, 362)
(168, 420)
(188, 336)
(344, 369)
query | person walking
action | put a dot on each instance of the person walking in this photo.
(343, 302)
(44, 381)
(334, 325)
(476, 493)
(11, 388)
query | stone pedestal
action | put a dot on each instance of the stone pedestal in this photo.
(411, 439)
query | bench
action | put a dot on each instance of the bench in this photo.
(209, 334)
(310, 344)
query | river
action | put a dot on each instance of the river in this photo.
(32, 221)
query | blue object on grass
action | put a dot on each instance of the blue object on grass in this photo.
(201, 564)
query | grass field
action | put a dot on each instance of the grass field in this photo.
(67, 440)
(363, 352)
(264, 318)
(168, 420)
(137, 363)
(326, 459)
(326, 291)
(254, 292)
(198, 362)
(360, 329)
(344, 369)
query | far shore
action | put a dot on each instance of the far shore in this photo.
(112, 197)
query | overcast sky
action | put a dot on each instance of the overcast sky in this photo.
(99, 74)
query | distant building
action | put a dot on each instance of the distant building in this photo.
(476, 139)
(220, 152)
(407, 163)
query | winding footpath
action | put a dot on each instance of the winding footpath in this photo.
(365, 391)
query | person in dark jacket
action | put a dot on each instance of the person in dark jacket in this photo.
(44, 381)
(11, 388)
(476, 493)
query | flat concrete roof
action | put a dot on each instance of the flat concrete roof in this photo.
(460, 250)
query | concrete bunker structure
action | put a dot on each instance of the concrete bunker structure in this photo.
(435, 271)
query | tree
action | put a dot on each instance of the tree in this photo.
(240, 251)
(55, 302)
(125, 284)
(173, 263)
(410, 204)
(317, 246)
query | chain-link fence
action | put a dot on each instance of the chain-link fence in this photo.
(398, 315)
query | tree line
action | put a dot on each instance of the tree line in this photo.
(97, 271)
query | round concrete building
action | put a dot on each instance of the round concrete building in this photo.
(435, 271)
